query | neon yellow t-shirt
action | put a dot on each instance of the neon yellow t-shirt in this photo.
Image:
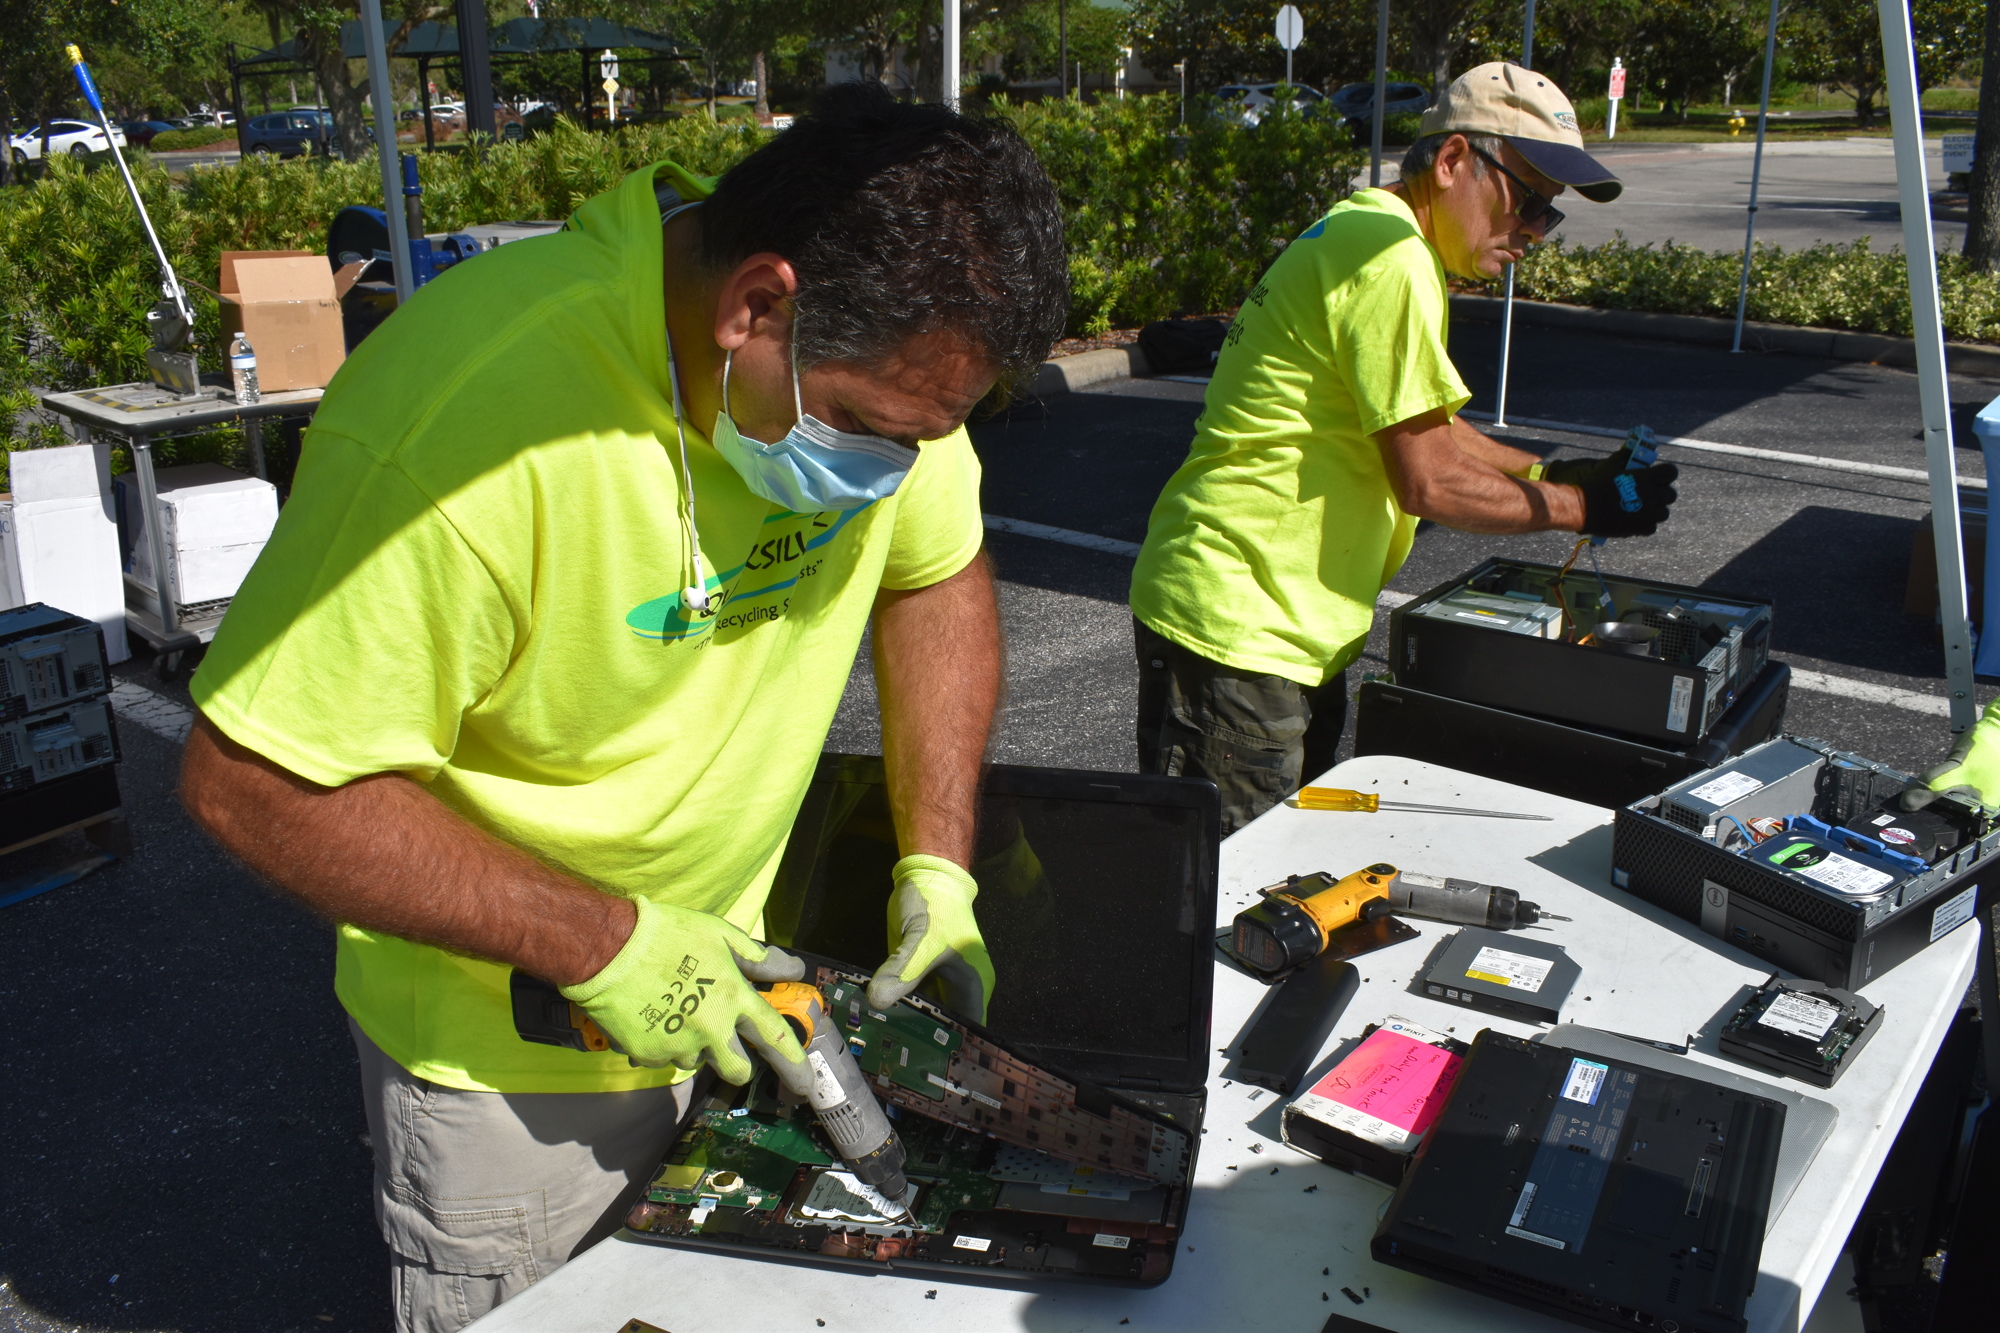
(1268, 547)
(476, 583)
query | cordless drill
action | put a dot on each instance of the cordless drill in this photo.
(849, 1113)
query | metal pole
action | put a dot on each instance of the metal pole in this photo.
(156, 542)
(1926, 317)
(1507, 312)
(1381, 93)
(385, 144)
(1756, 168)
(951, 56)
(475, 68)
(1288, 67)
(1062, 48)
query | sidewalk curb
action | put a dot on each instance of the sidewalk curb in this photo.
(1066, 374)
(1971, 359)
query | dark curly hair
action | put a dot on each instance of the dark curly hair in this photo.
(901, 219)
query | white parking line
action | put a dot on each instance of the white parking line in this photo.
(1739, 450)
(1088, 540)
(1821, 683)
(1816, 681)
(155, 712)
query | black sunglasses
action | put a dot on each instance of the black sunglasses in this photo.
(1535, 206)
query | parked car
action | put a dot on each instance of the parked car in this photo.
(290, 133)
(141, 132)
(76, 137)
(1356, 100)
(1249, 101)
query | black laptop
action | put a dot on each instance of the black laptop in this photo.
(1610, 1194)
(1097, 901)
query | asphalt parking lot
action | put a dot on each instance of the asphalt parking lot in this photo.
(185, 1143)
(1808, 192)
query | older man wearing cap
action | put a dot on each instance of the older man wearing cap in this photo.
(1330, 429)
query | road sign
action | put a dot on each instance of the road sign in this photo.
(1291, 28)
(611, 85)
(1959, 151)
(1617, 79)
(607, 65)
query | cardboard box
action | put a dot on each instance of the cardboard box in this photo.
(214, 521)
(287, 304)
(59, 541)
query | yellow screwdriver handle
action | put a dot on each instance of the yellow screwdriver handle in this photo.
(1337, 798)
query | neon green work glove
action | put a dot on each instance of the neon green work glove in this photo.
(1973, 771)
(932, 931)
(679, 994)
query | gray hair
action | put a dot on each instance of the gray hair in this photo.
(1422, 155)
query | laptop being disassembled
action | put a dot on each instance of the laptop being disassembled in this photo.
(1056, 1141)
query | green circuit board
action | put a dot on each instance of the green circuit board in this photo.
(904, 1046)
(737, 1157)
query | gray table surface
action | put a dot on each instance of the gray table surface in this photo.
(1256, 1242)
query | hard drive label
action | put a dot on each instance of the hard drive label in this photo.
(1832, 869)
(1951, 915)
(1800, 1015)
(1513, 970)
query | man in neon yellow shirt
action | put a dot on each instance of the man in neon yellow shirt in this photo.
(541, 656)
(1330, 429)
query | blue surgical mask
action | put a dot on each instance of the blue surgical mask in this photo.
(814, 467)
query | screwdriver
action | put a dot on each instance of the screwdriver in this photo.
(1340, 798)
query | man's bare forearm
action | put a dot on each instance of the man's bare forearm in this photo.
(1514, 462)
(938, 672)
(384, 854)
(1435, 475)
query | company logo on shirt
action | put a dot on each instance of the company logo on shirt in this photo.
(785, 552)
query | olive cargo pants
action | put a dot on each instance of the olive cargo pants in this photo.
(1256, 737)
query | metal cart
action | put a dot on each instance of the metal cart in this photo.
(138, 414)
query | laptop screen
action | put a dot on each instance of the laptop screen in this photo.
(1097, 896)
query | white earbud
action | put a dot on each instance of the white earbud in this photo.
(695, 595)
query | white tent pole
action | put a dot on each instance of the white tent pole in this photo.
(1756, 169)
(383, 100)
(1507, 311)
(951, 56)
(1381, 91)
(1906, 120)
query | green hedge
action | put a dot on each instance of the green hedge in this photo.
(168, 140)
(1823, 286)
(1161, 220)
(1165, 220)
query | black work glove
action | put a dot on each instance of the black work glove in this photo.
(1580, 471)
(1629, 504)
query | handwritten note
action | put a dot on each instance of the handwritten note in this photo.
(1388, 1091)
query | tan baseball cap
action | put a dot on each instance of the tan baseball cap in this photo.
(1528, 111)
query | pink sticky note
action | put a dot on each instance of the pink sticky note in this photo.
(1395, 1078)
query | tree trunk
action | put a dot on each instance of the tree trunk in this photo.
(1440, 67)
(6, 138)
(322, 50)
(1864, 107)
(1982, 232)
(758, 72)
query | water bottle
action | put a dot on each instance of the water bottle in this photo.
(243, 370)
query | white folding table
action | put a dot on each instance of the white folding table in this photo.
(1273, 1237)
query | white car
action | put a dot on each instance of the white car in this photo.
(65, 136)
(1249, 101)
